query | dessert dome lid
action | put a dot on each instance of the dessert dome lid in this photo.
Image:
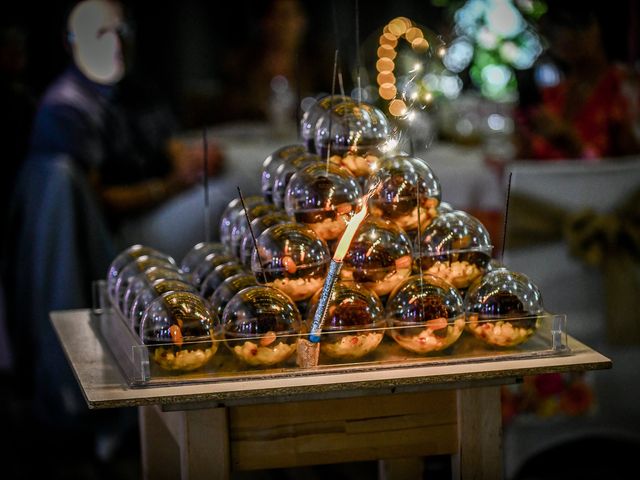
(228, 288)
(454, 232)
(288, 245)
(319, 186)
(350, 306)
(502, 292)
(313, 114)
(378, 243)
(178, 317)
(271, 164)
(399, 175)
(425, 297)
(352, 127)
(260, 309)
(197, 253)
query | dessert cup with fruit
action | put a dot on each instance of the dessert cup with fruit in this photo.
(379, 257)
(180, 331)
(503, 308)
(353, 325)
(456, 247)
(261, 326)
(292, 258)
(426, 313)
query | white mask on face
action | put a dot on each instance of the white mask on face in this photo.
(94, 27)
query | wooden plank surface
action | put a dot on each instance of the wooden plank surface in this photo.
(342, 430)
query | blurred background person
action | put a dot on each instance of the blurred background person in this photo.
(592, 108)
(113, 123)
(104, 150)
(277, 66)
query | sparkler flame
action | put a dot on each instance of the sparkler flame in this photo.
(354, 223)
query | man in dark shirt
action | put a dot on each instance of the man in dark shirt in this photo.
(101, 148)
(110, 123)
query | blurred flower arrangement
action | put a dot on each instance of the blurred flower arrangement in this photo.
(492, 39)
(548, 395)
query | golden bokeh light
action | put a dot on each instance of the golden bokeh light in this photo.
(397, 107)
(406, 21)
(387, 91)
(386, 51)
(420, 45)
(386, 77)
(397, 27)
(385, 65)
(388, 39)
(413, 33)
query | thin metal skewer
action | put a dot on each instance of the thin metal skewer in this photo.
(253, 237)
(205, 180)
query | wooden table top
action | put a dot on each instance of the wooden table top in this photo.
(104, 386)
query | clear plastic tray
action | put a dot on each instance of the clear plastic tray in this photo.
(140, 370)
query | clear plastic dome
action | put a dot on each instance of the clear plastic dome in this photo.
(261, 325)
(445, 207)
(284, 173)
(228, 288)
(352, 310)
(205, 267)
(323, 198)
(427, 314)
(379, 257)
(271, 164)
(180, 331)
(149, 293)
(402, 178)
(240, 226)
(454, 246)
(259, 225)
(292, 258)
(357, 135)
(231, 212)
(314, 113)
(503, 308)
(123, 259)
(144, 279)
(197, 254)
(136, 267)
(218, 275)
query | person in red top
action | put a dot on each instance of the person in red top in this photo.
(593, 112)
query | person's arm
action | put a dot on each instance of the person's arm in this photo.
(137, 197)
(186, 160)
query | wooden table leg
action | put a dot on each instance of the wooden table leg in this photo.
(190, 444)
(204, 447)
(158, 449)
(479, 434)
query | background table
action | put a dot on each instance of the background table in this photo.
(211, 429)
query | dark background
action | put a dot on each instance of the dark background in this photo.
(180, 45)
